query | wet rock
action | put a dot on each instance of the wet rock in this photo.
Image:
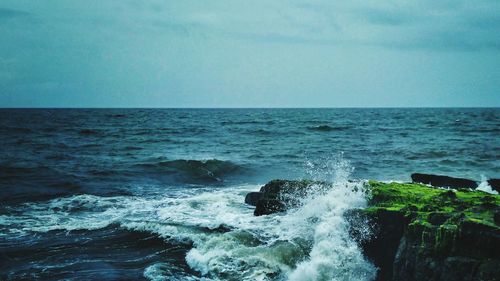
(443, 181)
(496, 217)
(435, 253)
(278, 196)
(220, 229)
(269, 206)
(253, 197)
(430, 234)
(388, 229)
(495, 184)
(438, 218)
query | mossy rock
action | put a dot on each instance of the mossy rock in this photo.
(435, 204)
(444, 231)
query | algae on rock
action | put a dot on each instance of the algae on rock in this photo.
(440, 234)
(418, 232)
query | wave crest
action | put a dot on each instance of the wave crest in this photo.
(196, 171)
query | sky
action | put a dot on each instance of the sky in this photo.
(296, 53)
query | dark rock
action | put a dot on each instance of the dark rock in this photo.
(388, 229)
(438, 218)
(278, 196)
(434, 253)
(443, 181)
(220, 229)
(459, 268)
(269, 206)
(253, 197)
(489, 270)
(495, 184)
(429, 234)
(496, 217)
(285, 186)
(488, 203)
(477, 240)
(448, 195)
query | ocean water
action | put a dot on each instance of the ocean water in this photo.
(158, 194)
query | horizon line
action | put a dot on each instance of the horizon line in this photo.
(256, 107)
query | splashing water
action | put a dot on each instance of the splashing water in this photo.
(310, 242)
(315, 235)
(334, 255)
(485, 186)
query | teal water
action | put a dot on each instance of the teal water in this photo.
(116, 194)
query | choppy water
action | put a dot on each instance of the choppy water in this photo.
(158, 193)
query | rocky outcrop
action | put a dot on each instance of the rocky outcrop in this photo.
(387, 230)
(422, 233)
(418, 232)
(443, 181)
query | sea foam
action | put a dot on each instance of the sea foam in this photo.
(310, 242)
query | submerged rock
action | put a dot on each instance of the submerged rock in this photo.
(443, 181)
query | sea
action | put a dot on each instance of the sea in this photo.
(158, 194)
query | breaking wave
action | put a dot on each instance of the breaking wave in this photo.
(327, 128)
(310, 242)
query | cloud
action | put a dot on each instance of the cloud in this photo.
(454, 25)
(202, 53)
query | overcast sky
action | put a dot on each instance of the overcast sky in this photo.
(300, 53)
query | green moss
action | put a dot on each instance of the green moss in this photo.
(429, 206)
(445, 238)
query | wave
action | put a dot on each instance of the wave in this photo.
(111, 253)
(212, 170)
(249, 122)
(14, 172)
(262, 132)
(225, 240)
(431, 154)
(327, 128)
(116, 115)
(132, 148)
(88, 132)
(18, 130)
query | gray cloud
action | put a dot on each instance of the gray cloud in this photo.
(259, 53)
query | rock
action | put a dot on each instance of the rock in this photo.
(269, 206)
(489, 270)
(496, 217)
(418, 232)
(388, 229)
(220, 229)
(285, 186)
(253, 197)
(495, 184)
(443, 181)
(423, 233)
(460, 253)
(459, 268)
(278, 196)
(438, 218)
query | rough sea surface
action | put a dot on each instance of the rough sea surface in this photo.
(158, 194)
